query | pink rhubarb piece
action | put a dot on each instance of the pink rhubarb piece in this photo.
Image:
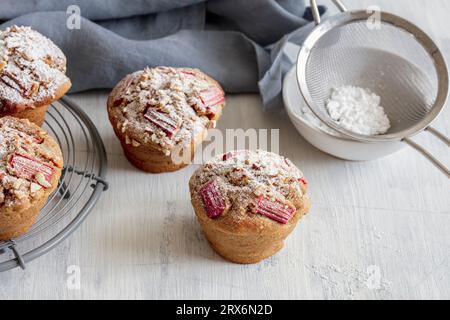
(160, 119)
(303, 181)
(232, 154)
(212, 97)
(213, 200)
(27, 167)
(274, 210)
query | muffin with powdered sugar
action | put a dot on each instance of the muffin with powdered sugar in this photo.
(161, 115)
(248, 202)
(32, 74)
(30, 167)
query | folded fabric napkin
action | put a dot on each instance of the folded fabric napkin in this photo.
(239, 43)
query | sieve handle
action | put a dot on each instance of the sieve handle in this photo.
(315, 9)
(427, 154)
(340, 5)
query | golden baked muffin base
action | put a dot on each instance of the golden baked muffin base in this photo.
(15, 223)
(152, 160)
(35, 115)
(247, 248)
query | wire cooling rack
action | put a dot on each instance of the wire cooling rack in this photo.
(81, 185)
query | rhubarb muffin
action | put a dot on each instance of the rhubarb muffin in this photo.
(30, 168)
(248, 202)
(32, 74)
(161, 115)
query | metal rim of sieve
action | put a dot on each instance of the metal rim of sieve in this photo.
(347, 17)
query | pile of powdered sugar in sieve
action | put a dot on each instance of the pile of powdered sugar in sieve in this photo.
(353, 108)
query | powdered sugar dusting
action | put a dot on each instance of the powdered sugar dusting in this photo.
(347, 282)
(32, 68)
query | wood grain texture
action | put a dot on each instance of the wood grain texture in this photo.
(142, 241)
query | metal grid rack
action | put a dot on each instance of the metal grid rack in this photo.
(81, 185)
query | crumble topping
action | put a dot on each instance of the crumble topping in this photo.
(250, 182)
(27, 161)
(32, 68)
(168, 106)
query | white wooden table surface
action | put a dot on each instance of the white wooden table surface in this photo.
(386, 220)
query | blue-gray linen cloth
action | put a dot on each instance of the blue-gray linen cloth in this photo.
(238, 42)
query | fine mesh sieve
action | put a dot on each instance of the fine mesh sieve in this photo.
(389, 56)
